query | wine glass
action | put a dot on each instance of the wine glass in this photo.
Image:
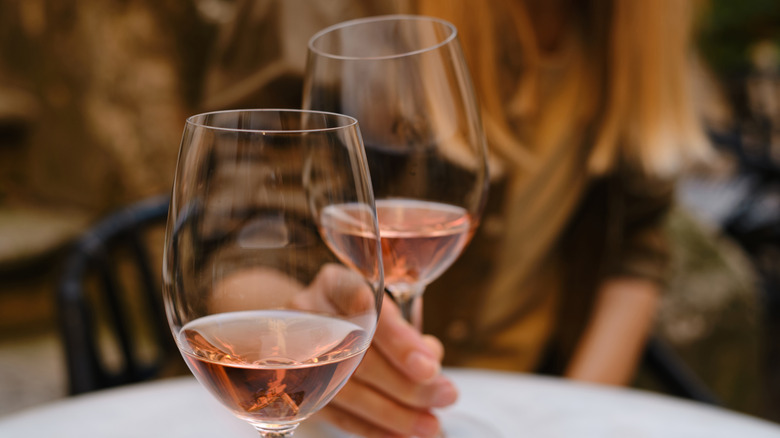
(405, 78)
(271, 304)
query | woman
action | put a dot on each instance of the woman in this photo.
(589, 114)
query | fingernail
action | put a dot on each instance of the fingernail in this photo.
(444, 394)
(426, 426)
(422, 366)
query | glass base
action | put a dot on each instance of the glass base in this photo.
(268, 431)
(455, 424)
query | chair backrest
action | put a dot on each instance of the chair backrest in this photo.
(674, 376)
(109, 299)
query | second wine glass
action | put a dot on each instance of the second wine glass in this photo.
(405, 79)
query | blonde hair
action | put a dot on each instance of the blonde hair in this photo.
(633, 89)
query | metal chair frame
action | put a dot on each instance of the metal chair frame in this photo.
(93, 255)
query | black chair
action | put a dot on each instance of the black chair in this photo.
(673, 375)
(112, 324)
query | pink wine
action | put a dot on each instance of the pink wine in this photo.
(350, 231)
(420, 239)
(272, 366)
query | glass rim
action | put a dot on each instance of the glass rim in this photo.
(393, 17)
(349, 121)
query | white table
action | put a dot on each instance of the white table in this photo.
(515, 405)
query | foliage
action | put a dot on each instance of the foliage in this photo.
(730, 29)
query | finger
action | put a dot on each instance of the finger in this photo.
(365, 402)
(377, 372)
(352, 424)
(435, 345)
(255, 288)
(337, 289)
(404, 346)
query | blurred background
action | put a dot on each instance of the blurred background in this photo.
(92, 105)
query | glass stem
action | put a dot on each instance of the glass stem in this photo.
(408, 300)
(407, 310)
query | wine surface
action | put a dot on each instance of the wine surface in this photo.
(272, 366)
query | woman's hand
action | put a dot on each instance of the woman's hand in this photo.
(395, 387)
(399, 381)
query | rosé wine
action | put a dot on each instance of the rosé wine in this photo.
(272, 366)
(420, 239)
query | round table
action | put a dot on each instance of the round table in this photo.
(515, 405)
